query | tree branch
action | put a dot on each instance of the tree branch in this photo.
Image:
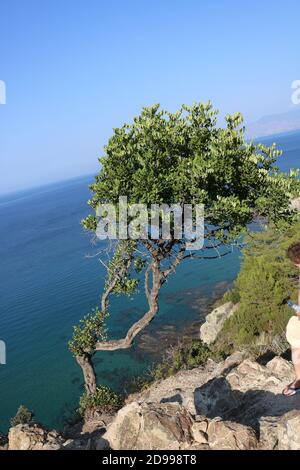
(112, 285)
(220, 255)
(138, 326)
(176, 262)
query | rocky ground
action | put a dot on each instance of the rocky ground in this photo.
(237, 404)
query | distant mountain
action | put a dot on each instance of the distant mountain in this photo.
(274, 124)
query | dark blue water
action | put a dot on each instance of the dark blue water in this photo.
(290, 144)
(47, 283)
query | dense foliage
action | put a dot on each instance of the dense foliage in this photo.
(184, 157)
(89, 330)
(104, 400)
(266, 281)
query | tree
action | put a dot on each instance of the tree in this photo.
(178, 158)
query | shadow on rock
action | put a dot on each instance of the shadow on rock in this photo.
(216, 398)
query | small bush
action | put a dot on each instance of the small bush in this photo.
(184, 356)
(232, 295)
(89, 330)
(191, 355)
(23, 416)
(105, 399)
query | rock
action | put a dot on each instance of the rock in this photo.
(197, 446)
(202, 423)
(102, 444)
(79, 444)
(295, 204)
(184, 387)
(176, 389)
(288, 431)
(199, 431)
(3, 442)
(280, 433)
(250, 375)
(258, 390)
(33, 437)
(268, 433)
(236, 404)
(237, 389)
(215, 320)
(230, 362)
(96, 420)
(223, 435)
(215, 398)
(151, 427)
(281, 368)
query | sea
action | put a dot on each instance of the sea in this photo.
(50, 277)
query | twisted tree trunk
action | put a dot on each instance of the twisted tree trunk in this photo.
(152, 294)
(86, 364)
(152, 297)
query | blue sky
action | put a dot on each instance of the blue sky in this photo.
(75, 69)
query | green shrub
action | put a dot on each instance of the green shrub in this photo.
(89, 330)
(232, 295)
(23, 416)
(104, 399)
(264, 284)
(192, 354)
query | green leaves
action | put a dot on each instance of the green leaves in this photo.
(184, 157)
(104, 399)
(262, 287)
(119, 268)
(89, 330)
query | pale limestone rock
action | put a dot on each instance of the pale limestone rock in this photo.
(198, 433)
(224, 435)
(185, 387)
(295, 204)
(215, 320)
(280, 432)
(197, 446)
(150, 426)
(33, 437)
(268, 433)
(239, 390)
(280, 367)
(289, 431)
(202, 423)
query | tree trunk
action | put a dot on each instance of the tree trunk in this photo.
(152, 296)
(86, 364)
(158, 279)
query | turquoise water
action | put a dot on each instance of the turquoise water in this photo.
(47, 283)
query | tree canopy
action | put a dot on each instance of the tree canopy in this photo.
(184, 157)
